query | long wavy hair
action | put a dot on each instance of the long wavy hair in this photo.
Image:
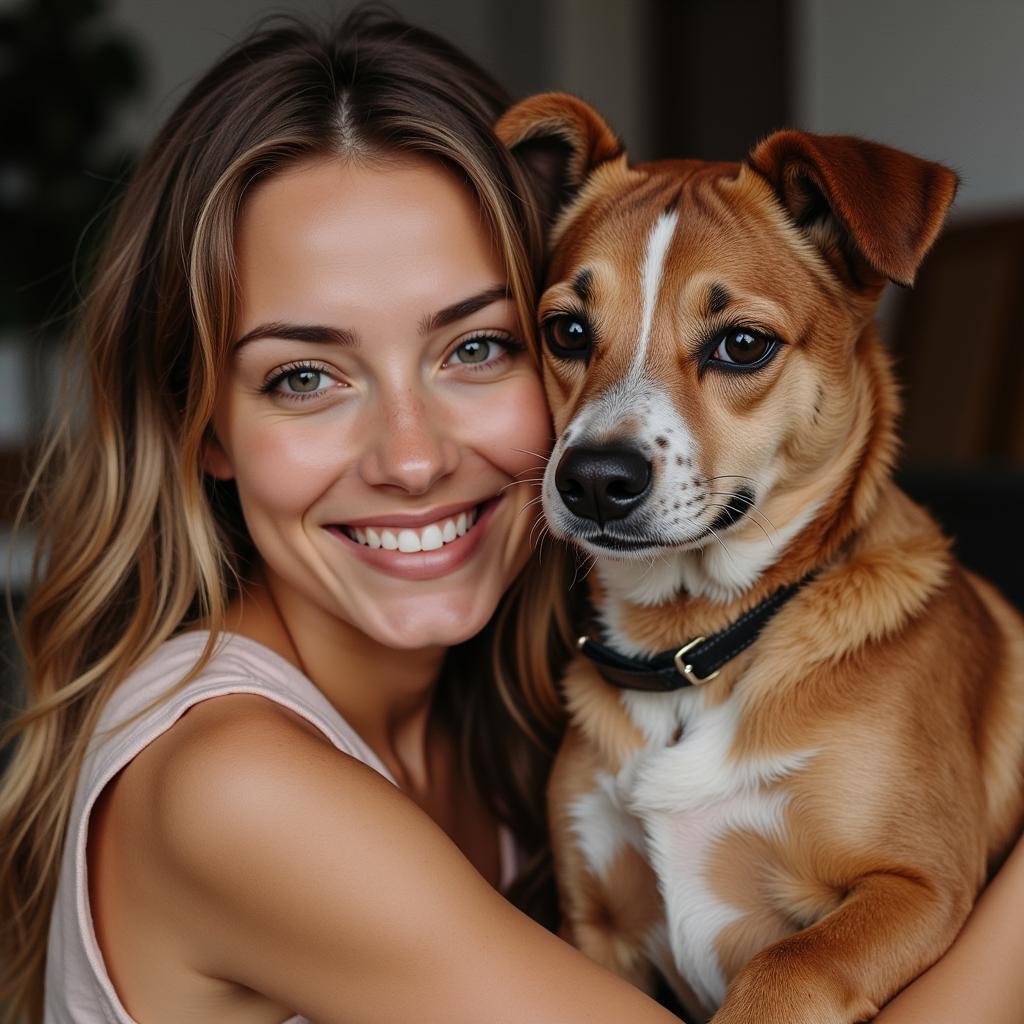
(135, 544)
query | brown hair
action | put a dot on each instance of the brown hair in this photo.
(134, 542)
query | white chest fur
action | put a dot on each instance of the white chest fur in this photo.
(675, 803)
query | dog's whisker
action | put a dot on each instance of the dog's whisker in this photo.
(538, 544)
(591, 561)
(728, 553)
(537, 455)
(513, 483)
(754, 507)
(730, 476)
(543, 537)
(540, 525)
(529, 504)
(529, 480)
(751, 507)
(733, 508)
(663, 557)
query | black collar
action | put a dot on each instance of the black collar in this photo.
(697, 661)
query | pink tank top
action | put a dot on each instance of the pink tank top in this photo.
(78, 989)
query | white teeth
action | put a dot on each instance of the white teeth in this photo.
(409, 540)
(426, 538)
(431, 538)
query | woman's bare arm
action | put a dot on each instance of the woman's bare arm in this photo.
(301, 873)
(981, 977)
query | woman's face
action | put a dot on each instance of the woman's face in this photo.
(379, 414)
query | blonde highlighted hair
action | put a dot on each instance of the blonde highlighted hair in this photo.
(134, 542)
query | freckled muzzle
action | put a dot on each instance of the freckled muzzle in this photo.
(603, 483)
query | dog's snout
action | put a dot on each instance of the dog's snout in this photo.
(602, 483)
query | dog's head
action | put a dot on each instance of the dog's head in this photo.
(714, 379)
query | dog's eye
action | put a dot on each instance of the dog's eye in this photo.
(743, 347)
(568, 337)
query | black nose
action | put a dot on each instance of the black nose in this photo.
(602, 483)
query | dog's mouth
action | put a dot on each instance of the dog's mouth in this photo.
(732, 507)
(605, 540)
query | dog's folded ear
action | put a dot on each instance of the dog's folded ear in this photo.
(560, 139)
(874, 211)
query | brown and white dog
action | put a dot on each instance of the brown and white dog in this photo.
(796, 838)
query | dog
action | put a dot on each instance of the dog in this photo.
(795, 747)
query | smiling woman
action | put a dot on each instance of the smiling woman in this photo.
(374, 445)
(290, 660)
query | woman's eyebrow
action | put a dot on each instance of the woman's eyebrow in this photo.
(339, 336)
(463, 308)
(297, 332)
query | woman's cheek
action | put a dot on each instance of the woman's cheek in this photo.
(287, 466)
(518, 428)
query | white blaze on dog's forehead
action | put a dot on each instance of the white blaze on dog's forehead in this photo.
(654, 265)
(601, 418)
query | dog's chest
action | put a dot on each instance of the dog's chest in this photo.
(685, 806)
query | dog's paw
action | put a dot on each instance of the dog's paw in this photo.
(773, 990)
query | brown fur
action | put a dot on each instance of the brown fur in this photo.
(902, 674)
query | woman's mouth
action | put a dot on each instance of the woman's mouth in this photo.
(425, 551)
(425, 538)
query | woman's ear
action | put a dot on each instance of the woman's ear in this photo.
(561, 140)
(873, 210)
(214, 459)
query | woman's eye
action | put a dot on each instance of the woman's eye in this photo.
(568, 337)
(477, 350)
(303, 382)
(483, 350)
(297, 382)
(744, 347)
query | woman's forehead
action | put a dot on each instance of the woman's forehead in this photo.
(336, 235)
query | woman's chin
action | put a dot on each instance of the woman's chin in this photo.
(416, 625)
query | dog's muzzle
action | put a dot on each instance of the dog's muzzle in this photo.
(602, 483)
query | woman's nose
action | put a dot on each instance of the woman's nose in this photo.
(410, 447)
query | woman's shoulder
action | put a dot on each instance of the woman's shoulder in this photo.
(219, 816)
(229, 761)
(234, 768)
(246, 749)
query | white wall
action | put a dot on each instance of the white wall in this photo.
(941, 78)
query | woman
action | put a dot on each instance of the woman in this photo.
(305, 346)
(276, 553)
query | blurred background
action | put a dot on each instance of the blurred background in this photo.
(85, 83)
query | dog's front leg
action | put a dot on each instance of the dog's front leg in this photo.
(608, 893)
(842, 969)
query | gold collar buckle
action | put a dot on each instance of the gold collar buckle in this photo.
(685, 669)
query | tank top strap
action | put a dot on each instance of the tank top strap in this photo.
(237, 665)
